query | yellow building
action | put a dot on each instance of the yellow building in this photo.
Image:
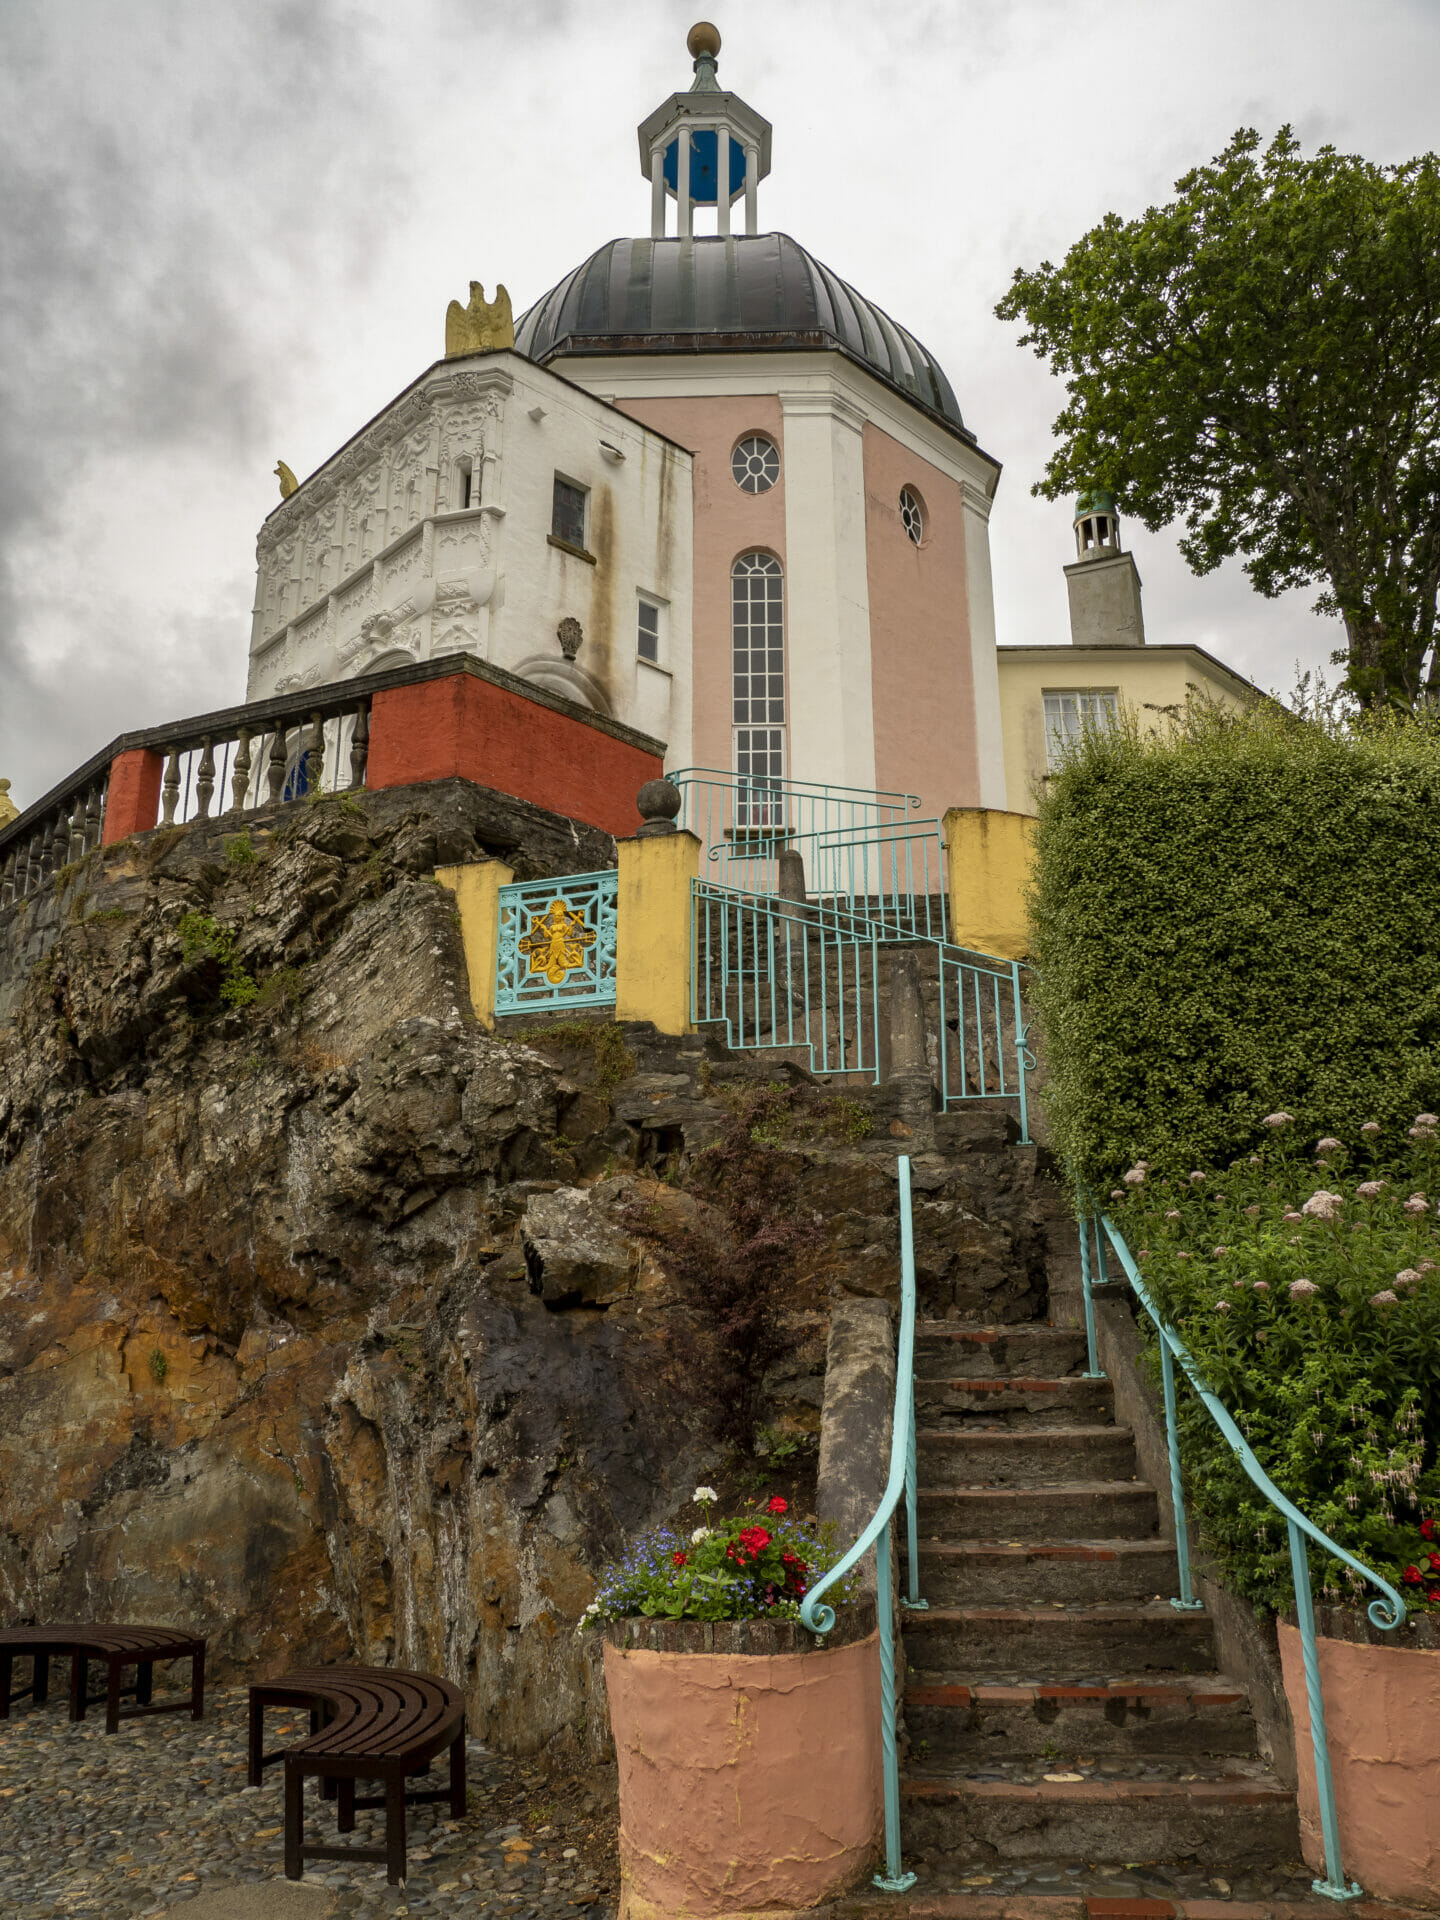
(1047, 694)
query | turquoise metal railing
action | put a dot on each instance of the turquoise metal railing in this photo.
(1387, 1612)
(820, 1618)
(556, 945)
(982, 1048)
(782, 974)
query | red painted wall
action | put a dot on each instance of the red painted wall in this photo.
(132, 797)
(462, 726)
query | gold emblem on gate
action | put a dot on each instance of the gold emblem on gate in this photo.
(556, 942)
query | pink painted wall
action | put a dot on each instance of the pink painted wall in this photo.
(747, 1781)
(1382, 1719)
(922, 685)
(727, 523)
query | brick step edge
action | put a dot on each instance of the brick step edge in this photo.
(919, 1905)
(923, 1690)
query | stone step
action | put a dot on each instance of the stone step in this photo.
(942, 1346)
(972, 1456)
(1229, 1822)
(1166, 1713)
(1068, 1644)
(1093, 1896)
(1012, 1400)
(1076, 1510)
(999, 1572)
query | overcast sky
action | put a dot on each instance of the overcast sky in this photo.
(228, 234)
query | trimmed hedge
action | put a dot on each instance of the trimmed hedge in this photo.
(1238, 915)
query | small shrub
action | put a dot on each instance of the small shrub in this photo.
(104, 914)
(159, 1367)
(240, 852)
(280, 990)
(202, 936)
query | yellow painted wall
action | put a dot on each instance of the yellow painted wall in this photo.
(989, 856)
(652, 930)
(1144, 677)
(477, 899)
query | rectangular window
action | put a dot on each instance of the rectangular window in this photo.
(647, 632)
(1069, 712)
(567, 518)
(760, 763)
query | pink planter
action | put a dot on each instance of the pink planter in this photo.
(749, 1765)
(1382, 1719)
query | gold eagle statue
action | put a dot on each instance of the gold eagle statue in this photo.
(482, 327)
(288, 482)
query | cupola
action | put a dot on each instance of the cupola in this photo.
(704, 148)
(1102, 579)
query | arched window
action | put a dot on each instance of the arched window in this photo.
(757, 636)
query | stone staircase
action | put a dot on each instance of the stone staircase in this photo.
(1062, 1716)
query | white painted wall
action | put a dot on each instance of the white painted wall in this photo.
(374, 555)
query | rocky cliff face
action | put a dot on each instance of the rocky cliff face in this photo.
(335, 1326)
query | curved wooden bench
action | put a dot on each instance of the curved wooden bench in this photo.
(118, 1647)
(366, 1723)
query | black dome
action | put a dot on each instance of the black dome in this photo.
(749, 293)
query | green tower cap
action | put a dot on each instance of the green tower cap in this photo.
(1096, 501)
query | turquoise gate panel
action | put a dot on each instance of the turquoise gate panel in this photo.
(557, 944)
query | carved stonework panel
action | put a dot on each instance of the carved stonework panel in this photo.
(405, 563)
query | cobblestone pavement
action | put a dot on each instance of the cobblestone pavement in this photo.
(141, 1822)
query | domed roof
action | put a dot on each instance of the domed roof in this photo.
(746, 294)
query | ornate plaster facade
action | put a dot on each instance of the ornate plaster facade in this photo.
(432, 532)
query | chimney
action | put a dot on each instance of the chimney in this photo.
(1104, 586)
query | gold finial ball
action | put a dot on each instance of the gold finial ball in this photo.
(703, 38)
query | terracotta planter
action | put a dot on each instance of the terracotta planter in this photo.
(749, 1764)
(1382, 1720)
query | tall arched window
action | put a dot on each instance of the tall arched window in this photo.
(757, 634)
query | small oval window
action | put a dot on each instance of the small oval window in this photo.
(755, 464)
(912, 514)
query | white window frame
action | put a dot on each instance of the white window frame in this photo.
(661, 609)
(1069, 710)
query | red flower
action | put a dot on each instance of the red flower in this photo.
(679, 1559)
(1411, 1576)
(754, 1539)
(1427, 1529)
(777, 1505)
(1435, 1561)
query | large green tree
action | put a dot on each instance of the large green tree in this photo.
(1260, 360)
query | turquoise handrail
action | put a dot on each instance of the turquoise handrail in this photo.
(1386, 1612)
(820, 1618)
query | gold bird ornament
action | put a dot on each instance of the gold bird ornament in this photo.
(288, 482)
(484, 326)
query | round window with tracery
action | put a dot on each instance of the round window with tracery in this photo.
(755, 464)
(912, 514)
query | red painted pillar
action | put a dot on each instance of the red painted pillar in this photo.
(132, 798)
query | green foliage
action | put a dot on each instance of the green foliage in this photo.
(280, 990)
(1239, 916)
(203, 937)
(779, 1444)
(756, 1565)
(159, 1367)
(1319, 1331)
(107, 914)
(240, 852)
(1260, 358)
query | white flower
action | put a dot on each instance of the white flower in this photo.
(1299, 1288)
(1197, 1179)
(1222, 1306)
(1173, 1214)
(1370, 1126)
(1277, 1120)
(1326, 1146)
(1427, 1120)
(1417, 1203)
(1135, 1177)
(1407, 1276)
(1322, 1205)
(704, 1496)
(1370, 1189)
(1385, 1298)
(700, 1533)
(1260, 1286)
